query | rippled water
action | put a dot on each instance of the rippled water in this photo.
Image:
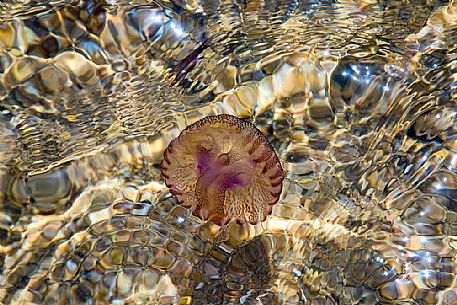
(357, 97)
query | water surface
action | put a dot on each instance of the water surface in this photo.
(358, 98)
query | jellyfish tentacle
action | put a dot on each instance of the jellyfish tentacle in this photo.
(211, 199)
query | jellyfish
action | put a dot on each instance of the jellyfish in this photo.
(224, 169)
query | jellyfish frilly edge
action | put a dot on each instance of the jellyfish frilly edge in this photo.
(224, 169)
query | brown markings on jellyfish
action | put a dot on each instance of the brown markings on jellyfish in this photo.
(224, 169)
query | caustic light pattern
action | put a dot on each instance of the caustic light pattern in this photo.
(357, 98)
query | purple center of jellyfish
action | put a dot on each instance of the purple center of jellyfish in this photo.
(204, 160)
(216, 170)
(231, 181)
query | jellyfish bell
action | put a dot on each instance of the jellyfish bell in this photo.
(224, 169)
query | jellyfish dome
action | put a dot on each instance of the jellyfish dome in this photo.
(224, 169)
